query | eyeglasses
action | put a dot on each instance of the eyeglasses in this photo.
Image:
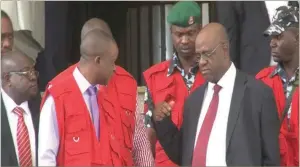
(28, 74)
(207, 55)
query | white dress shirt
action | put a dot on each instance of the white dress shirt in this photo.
(49, 137)
(9, 105)
(271, 8)
(216, 149)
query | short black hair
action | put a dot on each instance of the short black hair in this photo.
(4, 15)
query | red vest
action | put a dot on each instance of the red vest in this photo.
(163, 88)
(117, 103)
(288, 139)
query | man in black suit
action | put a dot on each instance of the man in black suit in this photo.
(20, 103)
(229, 121)
(244, 22)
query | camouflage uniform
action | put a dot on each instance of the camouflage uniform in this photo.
(285, 17)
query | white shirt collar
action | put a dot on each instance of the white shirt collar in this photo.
(227, 79)
(81, 81)
(10, 104)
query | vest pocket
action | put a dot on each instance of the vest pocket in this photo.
(77, 136)
(75, 123)
(166, 93)
(77, 143)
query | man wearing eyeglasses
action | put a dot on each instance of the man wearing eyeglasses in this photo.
(229, 121)
(284, 79)
(19, 110)
(171, 81)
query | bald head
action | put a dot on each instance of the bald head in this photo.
(99, 52)
(96, 42)
(14, 61)
(213, 47)
(4, 14)
(213, 33)
(18, 77)
(95, 23)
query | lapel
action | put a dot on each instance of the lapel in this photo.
(235, 107)
(34, 107)
(192, 118)
(8, 156)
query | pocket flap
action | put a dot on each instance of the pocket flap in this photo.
(75, 123)
(163, 84)
(127, 101)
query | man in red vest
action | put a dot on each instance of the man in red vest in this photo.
(170, 82)
(284, 78)
(141, 147)
(78, 143)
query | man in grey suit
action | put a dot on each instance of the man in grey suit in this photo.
(229, 121)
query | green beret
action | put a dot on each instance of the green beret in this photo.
(184, 14)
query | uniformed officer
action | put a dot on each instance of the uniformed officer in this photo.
(284, 79)
(171, 81)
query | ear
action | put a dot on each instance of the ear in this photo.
(97, 59)
(226, 46)
(6, 78)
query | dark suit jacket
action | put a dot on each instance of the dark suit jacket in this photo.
(45, 68)
(8, 153)
(252, 131)
(245, 22)
(293, 3)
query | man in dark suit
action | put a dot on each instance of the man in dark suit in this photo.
(245, 21)
(20, 103)
(229, 121)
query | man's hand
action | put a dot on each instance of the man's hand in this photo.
(162, 110)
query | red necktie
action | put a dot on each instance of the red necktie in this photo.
(23, 142)
(199, 156)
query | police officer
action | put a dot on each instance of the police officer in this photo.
(284, 79)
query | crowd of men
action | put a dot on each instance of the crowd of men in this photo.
(200, 109)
